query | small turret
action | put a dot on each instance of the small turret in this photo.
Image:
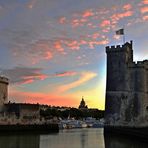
(3, 91)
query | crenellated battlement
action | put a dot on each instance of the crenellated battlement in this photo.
(119, 48)
(4, 80)
(139, 64)
(145, 62)
(126, 88)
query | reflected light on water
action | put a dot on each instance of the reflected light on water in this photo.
(72, 138)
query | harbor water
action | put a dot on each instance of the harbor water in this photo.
(70, 138)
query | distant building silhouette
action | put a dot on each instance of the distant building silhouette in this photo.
(11, 111)
(126, 88)
(82, 104)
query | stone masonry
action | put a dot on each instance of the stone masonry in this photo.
(3, 91)
(126, 88)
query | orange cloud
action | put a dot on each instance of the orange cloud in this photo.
(92, 96)
(127, 7)
(121, 15)
(48, 55)
(39, 77)
(36, 97)
(93, 43)
(145, 2)
(85, 77)
(74, 45)
(31, 79)
(144, 9)
(87, 13)
(66, 73)
(78, 22)
(83, 42)
(75, 23)
(95, 35)
(43, 49)
(102, 19)
(24, 75)
(40, 50)
(58, 46)
(145, 18)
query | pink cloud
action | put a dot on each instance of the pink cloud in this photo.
(102, 11)
(92, 44)
(145, 18)
(144, 9)
(74, 45)
(36, 97)
(106, 30)
(62, 20)
(48, 55)
(24, 75)
(31, 79)
(38, 76)
(121, 15)
(95, 35)
(127, 7)
(66, 73)
(43, 50)
(40, 50)
(105, 23)
(83, 20)
(102, 19)
(145, 2)
(87, 13)
(83, 42)
(78, 22)
(58, 46)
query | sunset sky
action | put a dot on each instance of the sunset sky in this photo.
(53, 51)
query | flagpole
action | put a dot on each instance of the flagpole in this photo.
(123, 36)
(121, 32)
(123, 39)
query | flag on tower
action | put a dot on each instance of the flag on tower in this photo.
(120, 32)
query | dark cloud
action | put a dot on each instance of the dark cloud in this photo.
(65, 73)
(23, 75)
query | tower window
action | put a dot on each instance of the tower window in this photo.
(147, 108)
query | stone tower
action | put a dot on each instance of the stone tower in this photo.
(3, 91)
(126, 86)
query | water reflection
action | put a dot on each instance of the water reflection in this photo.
(19, 141)
(117, 141)
(74, 138)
